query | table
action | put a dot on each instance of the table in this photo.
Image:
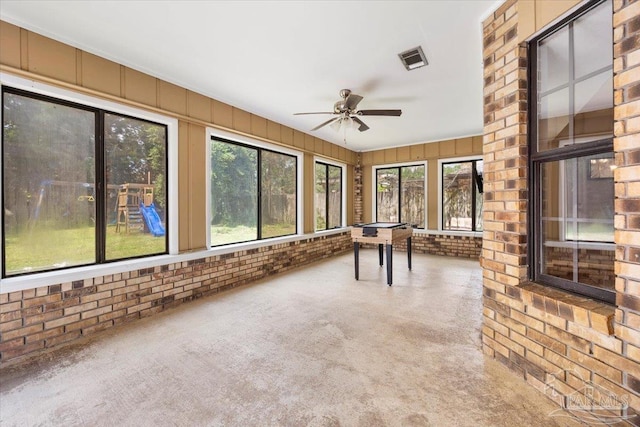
(382, 233)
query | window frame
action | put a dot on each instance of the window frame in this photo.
(441, 163)
(569, 151)
(77, 98)
(399, 166)
(343, 190)
(249, 142)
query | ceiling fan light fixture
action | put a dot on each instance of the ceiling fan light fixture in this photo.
(413, 58)
(336, 125)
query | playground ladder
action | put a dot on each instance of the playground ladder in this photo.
(129, 215)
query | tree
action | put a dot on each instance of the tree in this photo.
(234, 181)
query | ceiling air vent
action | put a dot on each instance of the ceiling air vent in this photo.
(413, 58)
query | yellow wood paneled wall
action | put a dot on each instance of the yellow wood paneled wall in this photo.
(534, 15)
(33, 56)
(431, 152)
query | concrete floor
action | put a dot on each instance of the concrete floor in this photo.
(311, 347)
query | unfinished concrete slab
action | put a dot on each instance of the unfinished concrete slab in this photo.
(310, 347)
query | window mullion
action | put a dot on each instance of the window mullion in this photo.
(326, 196)
(100, 189)
(341, 195)
(400, 194)
(473, 195)
(259, 195)
(572, 84)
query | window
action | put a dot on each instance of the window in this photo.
(400, 194)
(253, 193)
(81, 185)
(571, 161)
(328, 196)
(461, 195)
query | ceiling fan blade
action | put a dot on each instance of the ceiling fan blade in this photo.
(363, 126)
(352, 101)
(379, 112)
(325, 123)
(322, 112)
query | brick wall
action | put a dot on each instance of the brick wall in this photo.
(442, 244)
(626, 145)
(357, 191)
(40, 318)
(565, 345)
(439, 244)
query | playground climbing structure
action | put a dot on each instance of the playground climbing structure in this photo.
(136, 210)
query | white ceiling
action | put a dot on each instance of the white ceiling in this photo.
(276, 58)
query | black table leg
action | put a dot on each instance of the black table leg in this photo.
(356, 255)
(409, 251)
(380, 252)
(389, 264)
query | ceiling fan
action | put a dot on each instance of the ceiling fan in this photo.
(346, 112)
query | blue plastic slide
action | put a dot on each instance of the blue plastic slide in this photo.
(152, 219)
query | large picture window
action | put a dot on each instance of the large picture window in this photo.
(80, 185)
(571, 107)
(400, 195)
(328, 196)
(462, 195)
(253, 193)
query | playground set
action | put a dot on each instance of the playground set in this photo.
(134, 208)
(137, 210)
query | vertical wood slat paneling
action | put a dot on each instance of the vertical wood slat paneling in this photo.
(258, 126)
(199, 107)
(299, 139)
(184, 188)
(274, 131)
(140, 87)
(417, 152)
(51, 59)
(350, 195)
(241, 120)
(432, 194)
(10, 45)
(403, 154)
(431, 150)
(172, 98)
(100, 74)
(222, 114)
(309, 191)
(197, 175)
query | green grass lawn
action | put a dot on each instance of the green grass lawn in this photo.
(221, 235)
(41, 249)
(44, 249)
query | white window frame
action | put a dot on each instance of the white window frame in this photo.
(343, 189)
(253, 142)
(374, 189)
(30, 281)
(440, 195)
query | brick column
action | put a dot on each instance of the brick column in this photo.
(544, 334)
(626, 51)
(357, 190)
(504, 247)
